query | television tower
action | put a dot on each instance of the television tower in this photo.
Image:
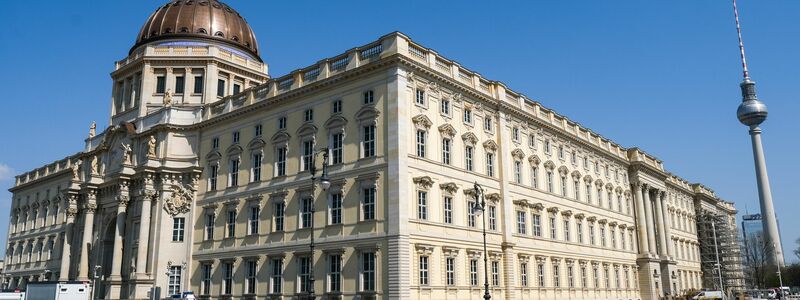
(752, 113)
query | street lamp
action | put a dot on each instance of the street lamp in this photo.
(478, 209)
(97, 269)
(325, 183)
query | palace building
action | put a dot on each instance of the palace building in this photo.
(201, 180)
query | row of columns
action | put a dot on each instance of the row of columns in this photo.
(651, 220)
(90, 208)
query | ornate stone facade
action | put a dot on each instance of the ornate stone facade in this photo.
(206, 187)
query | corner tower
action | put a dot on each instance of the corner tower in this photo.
(188, 53)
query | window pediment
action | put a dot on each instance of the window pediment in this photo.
(518, 154)
(367, 113)
(256, 144)
(214, 155)
(280, 137)
(469, 138)
(422, 122)
(490, 145)
(307, 129)
(335, 122)
(234, 150)
(534, 160)
(423, 182)
(447, 130)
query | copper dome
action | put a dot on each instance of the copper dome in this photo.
(199, 19)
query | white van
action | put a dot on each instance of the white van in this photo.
(12, 295)
(707, 295)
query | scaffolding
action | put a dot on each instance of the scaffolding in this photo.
(720, 253)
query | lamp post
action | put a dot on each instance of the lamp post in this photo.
(325, 183)
(94, 280)
(780, 277)
(478, 208)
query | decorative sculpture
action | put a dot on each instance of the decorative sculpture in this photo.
(151, 147)
(168, 98)
(126, 153)
(75, 169)
(94, 165)
(92, 129)
(179, 201)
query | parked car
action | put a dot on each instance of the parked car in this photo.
(708, 295)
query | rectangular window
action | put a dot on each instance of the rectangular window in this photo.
(487, 124)
(336, 209)
(227, 278)
(161, 84)
(579, 226)
(492, 217)
(616, 279)
(495, 273)
(445, 109)
(236, 136)
(250, 278)
(564, 186)
(423, 270)
(231, 225)
(523, 274)
(174, 286)
(468, 158)
(603, 235)
(422, 205)
(368, 271)
(446, 151)
(255, 211)
(335, 273)
(556, 281)
(591, 233)
(308, 152)
(304, 273)
(522, 224)
(337, 106)
(215, 143)
(368, 204)
(535, 177)
(552, 226)
(566, 230)
(420, 97)
(308, 115)
(490, 164)
(518, 172)
(305, 212)
(276, 282)
(256, 169)
(561, 152)
(220, 88)
(280, 162)
(337, 148)
(236, 88)
(471, 214)
(450, 271)
(473, 272)
(613, 238)
(448, 210)
(180, 83)
(233, 178)
(178, 229)
(205, 288)
(550, 181)
(280, 212)
(282, 123)
(212, 177)
(515, 134)
(605, 277)
(577, 185)
(596, 277)
(583, 276)
(467, 116)
(588, 192)
(210, 220)
(369, 97)
(368, 141)
(198, 85)
(570, 279)
(421, 137)
(259, 129)
(540, 273)
(537, 225)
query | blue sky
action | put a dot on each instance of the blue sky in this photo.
(658, 75)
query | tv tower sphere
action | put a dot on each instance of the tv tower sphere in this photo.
(751, 111)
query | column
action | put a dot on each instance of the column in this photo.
(88, 222)
(662, 239)
(648, 213)
(65, 248)
(116, 265)
(144, 235)
(640, 219)
(667, 226)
